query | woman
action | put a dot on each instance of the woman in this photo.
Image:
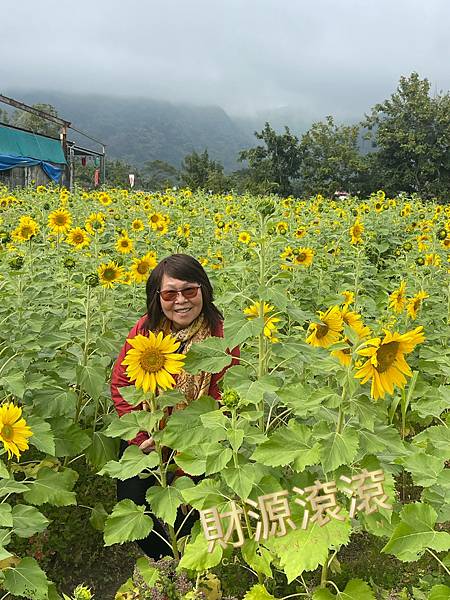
(179, 302)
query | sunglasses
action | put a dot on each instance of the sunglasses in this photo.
(171, 295)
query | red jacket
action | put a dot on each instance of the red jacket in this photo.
(119, 378)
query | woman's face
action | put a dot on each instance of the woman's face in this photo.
(181, 311)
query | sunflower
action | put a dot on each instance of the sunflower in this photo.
(142, 266)
(137, 225)
(244, 237)
(26, 229)
(124, 245)
(344, 355)
(300, 232)
(104, 199)
(152, 361)
(303, 256)
(356, 231)
(59, 220)
(78, 237)
(433, 259)
(349, 297)
(14, 430)
(414, 304)
(95, 223)
(328, 331)
(397, 299)
(184, 230)
(270, 328)
(386, 365)
(354, 320)
(109, 274)
(155, 220)
(282, 227)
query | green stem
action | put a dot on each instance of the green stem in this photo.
(84, 360)
(324, 574)
(439, 560)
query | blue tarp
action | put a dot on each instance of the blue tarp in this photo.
(8, 161)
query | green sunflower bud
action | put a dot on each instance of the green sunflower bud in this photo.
(92, 280)
(441, 234)
(230, 398)
(407, 246)
(81, 592)
(69, 263)
(16, 263)
(420, 261)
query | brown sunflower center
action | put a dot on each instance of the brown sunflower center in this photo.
(154, 218)
(124, 243)
(152, 360)
(109, 274)
(301, 257)
(321, 330)
(7, 432)
(26, 231)
(142, 268)
(386, 356)
(60, 219)
(78, 238)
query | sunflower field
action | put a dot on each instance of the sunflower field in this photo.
(333, 431)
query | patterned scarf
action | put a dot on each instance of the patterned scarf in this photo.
(192, 386)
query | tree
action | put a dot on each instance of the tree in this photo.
(200, 172)
(275, 165)
(159, 175)
(330, 158)
(411, 131)
(32, 122)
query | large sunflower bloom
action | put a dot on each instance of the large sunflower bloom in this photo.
(270, 328)
(414, 304)
(78, 237)
(152, 361)
(386, 365)
(59, 220)
(124, 245)
(141, 267)
(356, 231)
(109, 274)
(303, 257)
(26, 229)
(397, 299)
(14, 430)
(328, 331)
(95, 223)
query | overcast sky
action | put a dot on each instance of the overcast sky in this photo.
(319, 57)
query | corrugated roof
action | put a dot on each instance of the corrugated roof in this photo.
(17, 142)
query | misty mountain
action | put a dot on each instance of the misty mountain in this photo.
(137, 130)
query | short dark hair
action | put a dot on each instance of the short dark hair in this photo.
(186, 268)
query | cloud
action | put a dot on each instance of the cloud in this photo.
(320, 58)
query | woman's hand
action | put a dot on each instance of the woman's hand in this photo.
(147, 445)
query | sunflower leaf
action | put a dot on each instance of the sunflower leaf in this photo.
(132, 462)
(209, 355)
(164, 502)
(130, 424)
(27, 520)
(54, 487)
(42, 437)
(126, 523)
(26, 579)
(356, 589)
(339, 449)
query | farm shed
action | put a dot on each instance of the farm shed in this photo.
(26, 156)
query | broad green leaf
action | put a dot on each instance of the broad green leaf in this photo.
(4, 473)
(10, 486)
(132, 394)
(98, 517)
(14, 383)
(196, 556)
(434, 440)
(425, 469)
(209, 355)
(251, 392)
(384, 441)
(305, 549)
(439, 592)
(257, 557)
(70, 439)
(132, 462)
(128, 426)
(92, 379)
(27, 520)
(415, 533)
(164, 502)
(185, 428)
(258, 592)
(54, 487)
(293, 444)
(241, 479)
(42, 437)
(192, 460)
(205, 494)
(432, 402)
(235, 437)
(217, 458)
(101, 450)
(55, 403)
(303, 400)
(26, 579)
(238, 328)
(5, 554)
(356, 589)
(215, 420)
(6, 519)
(339, 449)
(127, 523)
(149, 574)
